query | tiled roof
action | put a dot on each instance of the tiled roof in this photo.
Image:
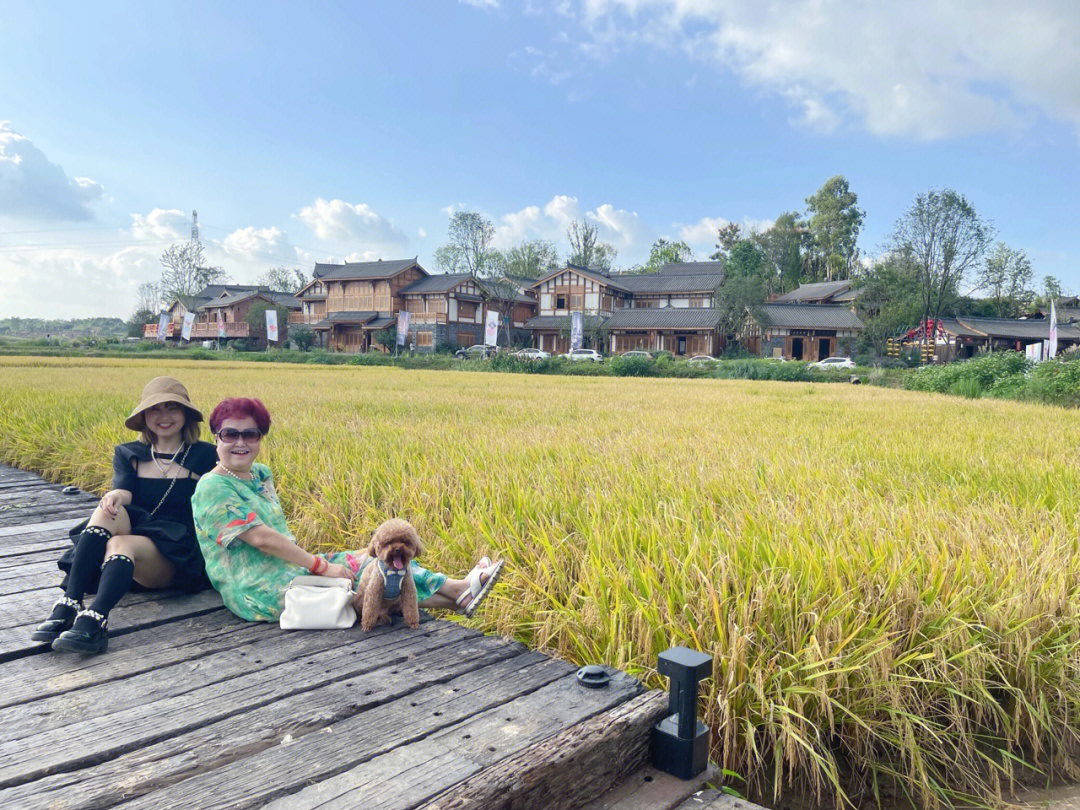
(645, 283)
(664, 318)
(280, 298)
(217, 290)
(692, 268)
(363, 270)
(559, 321)
(588, 272)
(808, 316)
(441, 282)
(953, 327)
(1016, 329)
(820, 291)
(380, 323)
(350, 317)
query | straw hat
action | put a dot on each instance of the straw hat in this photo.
(157, 391)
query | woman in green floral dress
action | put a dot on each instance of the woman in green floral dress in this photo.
(251, 556)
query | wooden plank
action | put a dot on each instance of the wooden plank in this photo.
(37, 515)
(225, 741)
(650, 789)
(34, 528)
(713, 799)
(143, 723)
(30, 607)
(28, 554)
(48, 576)
(26, 571)
(36, 677)
(253, 781)
(15, 642)
(413, 774)
(275, 647)
(576, 765)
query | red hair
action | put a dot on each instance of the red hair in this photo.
(238, 408)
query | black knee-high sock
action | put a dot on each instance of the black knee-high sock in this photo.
(89, 552)
(116, 576)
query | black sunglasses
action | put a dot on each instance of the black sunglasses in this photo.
(230, 435)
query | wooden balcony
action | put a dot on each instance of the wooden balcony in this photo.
(200, 331)
(427, 317)
(296, 317)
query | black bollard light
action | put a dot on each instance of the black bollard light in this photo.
(680, 743)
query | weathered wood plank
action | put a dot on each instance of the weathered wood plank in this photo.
(413, 774)
(15, 642)
(650, 789)
(273, 648)
(34, 554)
(31, 607)
(713, 799)
(62, 524)
(278, 771)
(23, 517)
(28, 571)
(36, 677)
(141, 724)
(212, 746)
(600, 752)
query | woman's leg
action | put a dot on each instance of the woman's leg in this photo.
(445, 598)
(435, 591)
(128, 557)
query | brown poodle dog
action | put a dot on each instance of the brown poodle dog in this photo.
(386, 586)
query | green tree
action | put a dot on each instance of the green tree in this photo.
(469, 248)
(531, 259)
(1052, 288)
(744, 287)
(302, 337)
(665, 252)
(1006, 276)
(256, 319)
(726, 238)
(387, 338)
(585, 248)
(284, 279)
(138, 320)
(943, 238)
(889, 301)
(834, 220)
(185, 271)
(783, 247)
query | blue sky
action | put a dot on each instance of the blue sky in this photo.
(349, 130)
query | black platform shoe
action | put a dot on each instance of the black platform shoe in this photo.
(62, 617)
(88, 635)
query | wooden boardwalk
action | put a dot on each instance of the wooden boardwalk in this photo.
(194, 708)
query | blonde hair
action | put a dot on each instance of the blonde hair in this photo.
(191, 431)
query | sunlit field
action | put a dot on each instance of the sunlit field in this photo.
(887, 580)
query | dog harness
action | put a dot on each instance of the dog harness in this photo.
(391, 578)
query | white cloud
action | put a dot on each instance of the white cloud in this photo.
(701, 235)
(354, 226)
(928, 70)
(34, 188)
(486, 5)
(161, 224)
(261, 246)
(421, 233)
(624, 228)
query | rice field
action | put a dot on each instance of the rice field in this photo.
(888, 580)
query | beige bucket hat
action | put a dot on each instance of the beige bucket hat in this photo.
(157, 391)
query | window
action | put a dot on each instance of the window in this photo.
(577, 301)
(697, 303)
(425, 339)
(560, 301)
(466, 338)
(466, 310)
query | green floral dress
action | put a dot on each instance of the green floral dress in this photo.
(251, 583)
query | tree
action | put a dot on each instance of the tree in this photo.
(284, 279)
(889, 300)
(943, 237)
(1007, 276)
(744, 288)
(531, 259)
(149, 297)
(834, 223)
(585, 250)
(783, 247)
(502, 296)
(469, 248)
(139, 319)
(726, 238)
(665, 252)
(302, 337)
(1052, 288)
(256, 319)
(387, 338)
(186, 272)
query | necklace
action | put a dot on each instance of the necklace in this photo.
(172, 462)
(172, 481)
(237, 477)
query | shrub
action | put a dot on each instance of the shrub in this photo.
(633, 367)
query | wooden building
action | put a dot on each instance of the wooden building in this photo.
(573, 289)
(359, 299)
(683, 331)
(446, 308)
(962, 337)
(184, 304)
(802, 331)
(821, 292)
(234, 311)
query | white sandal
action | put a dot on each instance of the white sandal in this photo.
(476, 589)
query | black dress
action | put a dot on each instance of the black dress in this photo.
(171, 528)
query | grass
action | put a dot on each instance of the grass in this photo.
(887, 579)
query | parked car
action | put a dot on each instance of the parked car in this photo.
(834, 362)
(702, 358)
(533, 354)
(780, 359)
(478, 351)
(637, 353)
(590, 355)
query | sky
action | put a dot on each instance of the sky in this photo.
(351, 131)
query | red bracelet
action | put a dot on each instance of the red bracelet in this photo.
(318, 565)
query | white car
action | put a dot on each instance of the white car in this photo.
(834, 362)
(703, 358)
(584, 354)
(533, 354)
(637, 353)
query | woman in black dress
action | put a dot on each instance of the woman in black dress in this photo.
(142, 531)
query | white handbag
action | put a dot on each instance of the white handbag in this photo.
(318, 603)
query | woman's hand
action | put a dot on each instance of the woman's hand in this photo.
(111, 502)
(342, 571)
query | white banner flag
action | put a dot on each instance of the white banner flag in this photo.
(163, 327)
(577, 329)
(220, 324)
(189, 319)
(491, 328)
(1052, 349)
(271, 325)
(1034, 351)
(403, 318)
